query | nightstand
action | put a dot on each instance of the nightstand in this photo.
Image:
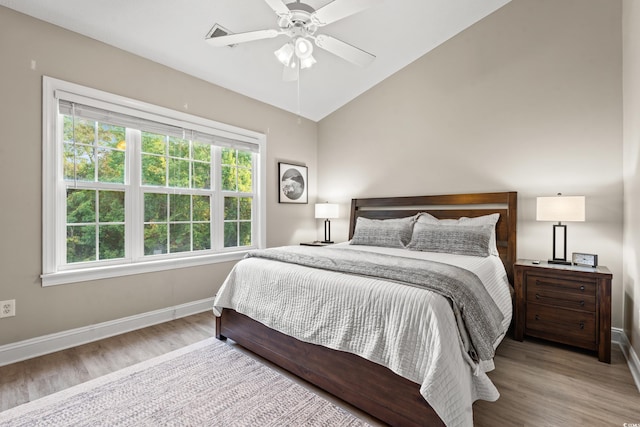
(564, 303)
(314, 244)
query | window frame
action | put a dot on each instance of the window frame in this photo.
(55, 270)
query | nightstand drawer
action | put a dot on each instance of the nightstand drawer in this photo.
(558, 298)
(566, 326)
(539, 283)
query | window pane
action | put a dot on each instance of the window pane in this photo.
(111, 136)
(179, 207)
(178, 147)
(202, 152)
(154, 170)
(111, 206)
(201, 175)
(201, 236)
(230, 208)
(179, 173)
(110, 165)
(229, 178)
(81, 206)
(201, 208)
(67, 128)
(154, 144)
(245, 234)
(155, 207)
(84, 131)
(244, 180)
(81, 243)
(245, 208)
(230, 234)
(244, 159)
(111, 241)
(79, 162)
(155, 239)
(229, 156)
(180, 237)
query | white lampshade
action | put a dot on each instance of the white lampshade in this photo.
(307, 62)
(560, 208)
(285, 54)
(303, 48)
(326, 210)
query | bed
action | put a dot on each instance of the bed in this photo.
(376, 388)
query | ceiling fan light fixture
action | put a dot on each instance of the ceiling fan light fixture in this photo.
(307, 62)
(303, 48)
(285, 54)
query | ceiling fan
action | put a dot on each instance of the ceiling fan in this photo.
(300, 22)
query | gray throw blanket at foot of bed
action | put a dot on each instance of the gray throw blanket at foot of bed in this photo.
(478, 317)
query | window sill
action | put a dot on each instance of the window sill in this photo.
(84, 275)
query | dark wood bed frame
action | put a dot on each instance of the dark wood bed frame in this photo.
(366, 385)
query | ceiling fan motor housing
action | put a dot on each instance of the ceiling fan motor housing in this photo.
(299, 23)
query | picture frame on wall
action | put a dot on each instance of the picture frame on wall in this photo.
(292, 183)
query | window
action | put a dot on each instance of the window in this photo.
(131, 187)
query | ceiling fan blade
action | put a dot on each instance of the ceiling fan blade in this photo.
(230, 39)
(344, 50)
(279, 7)
(339, 9)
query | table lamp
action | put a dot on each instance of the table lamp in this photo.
(327, 211)
(560, 208)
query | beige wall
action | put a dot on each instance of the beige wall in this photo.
(68, 56)
(631, 102)
(528, 99)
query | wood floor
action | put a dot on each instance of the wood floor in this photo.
(540, 384)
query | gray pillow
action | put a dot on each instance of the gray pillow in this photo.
(491, 219)
(468, 240)
(389, 233)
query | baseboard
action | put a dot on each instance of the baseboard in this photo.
(619, 337)
(27, 349)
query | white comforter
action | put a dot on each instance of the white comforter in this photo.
(410, 330)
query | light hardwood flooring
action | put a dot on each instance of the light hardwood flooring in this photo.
(541, 384)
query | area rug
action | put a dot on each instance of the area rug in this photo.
(209, 383)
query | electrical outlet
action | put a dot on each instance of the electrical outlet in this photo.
(8, 308)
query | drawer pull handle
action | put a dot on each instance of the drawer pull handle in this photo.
(582, 288)
(581, 325)
(537, 296)
(537, 317)
(581, 303)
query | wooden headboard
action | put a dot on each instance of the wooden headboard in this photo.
(450, 206)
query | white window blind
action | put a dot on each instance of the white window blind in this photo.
(127, 120)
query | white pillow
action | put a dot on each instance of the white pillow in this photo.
(492, 219)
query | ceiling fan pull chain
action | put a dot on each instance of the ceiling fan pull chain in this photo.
(298, 85)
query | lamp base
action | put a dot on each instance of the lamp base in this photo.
(326, 241)
(559, 261)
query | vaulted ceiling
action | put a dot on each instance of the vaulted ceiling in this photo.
(172, 32)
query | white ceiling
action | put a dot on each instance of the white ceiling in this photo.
(172, 32)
